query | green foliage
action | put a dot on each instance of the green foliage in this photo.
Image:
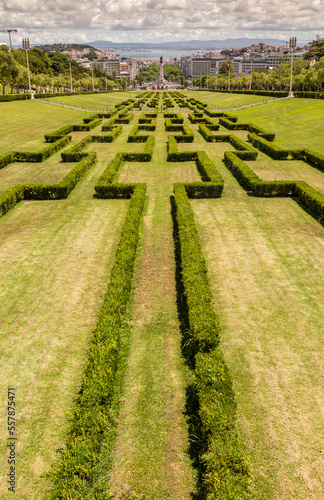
(10, 198)
(14, 97)
(109, 174)
(58, 134)
(108, 138)
(7, 158)
(76, 153)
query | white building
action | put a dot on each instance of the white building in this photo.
(196, 66)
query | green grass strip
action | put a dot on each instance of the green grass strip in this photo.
(73, 476)
(223, 470)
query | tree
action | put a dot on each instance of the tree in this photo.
(9, 69)
(226, 66)
(316, 50)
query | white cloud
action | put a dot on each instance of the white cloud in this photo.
(121, 20)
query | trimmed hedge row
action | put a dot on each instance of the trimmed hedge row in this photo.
(222, 463)
(125, 119)
(270, 149)
(213, 183)
(58, 134)
(134, 137)
(39, 156)
(309, 95)
(46, 191)
(64, 187)
(305, 194)
(76, 153)
(272, 93)
(170, 125)
(87, 126)
(7, 158)
(10, 198)
(110, 172)
(93, 415)
(14, 97)
(187, 135)
(146, 155)
(175, 155)
(108, 138)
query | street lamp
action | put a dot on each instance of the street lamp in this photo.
(70, 61)
(26, 46)
(251, 60)
(292, 45)
(92, 64)
(9, 31)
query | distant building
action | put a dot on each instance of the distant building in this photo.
(276, 58)
(110, 66)
(196, 66)
(243, 64)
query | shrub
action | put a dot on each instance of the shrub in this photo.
(10, 198)
(39, 156)
(64, 187)
(76, 153)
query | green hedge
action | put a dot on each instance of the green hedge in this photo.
(39, 156)
(64, 187)
(309, 95)
(10, 198)
(146, 155)
(14, 97)
(7, 158)
(251, 182)
(310, 198)
(76, 153)
(73, 476)
(224, 474)
(110, 172)
(125, 119)
(314, 159)
(61, 132)
(171, 126)
(87, 126)
(134, 137)
(187, 135)
(175, 155)
(108, 138)
(270, 149)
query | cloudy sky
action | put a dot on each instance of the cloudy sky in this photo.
(66, 21)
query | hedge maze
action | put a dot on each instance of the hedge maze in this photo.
(222, 465)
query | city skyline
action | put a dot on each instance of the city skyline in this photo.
(70, 21)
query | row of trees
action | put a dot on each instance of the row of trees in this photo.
(305, 78)
(49, 70)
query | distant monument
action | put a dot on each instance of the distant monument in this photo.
(161, 80)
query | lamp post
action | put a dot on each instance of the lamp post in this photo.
(9, 31)
(106, 79)
(292, 45)
(26, 46)
(92, 64)
(229, 74)
(70, 62)
(251, 60)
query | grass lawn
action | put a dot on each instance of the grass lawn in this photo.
(95, 102)
(224, 100)
(24, 123)
(55, 261)
(265, 263)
